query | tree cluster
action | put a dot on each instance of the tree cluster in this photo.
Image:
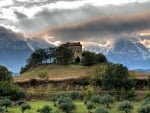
(7, 88)
(90, 58)
(60, 55)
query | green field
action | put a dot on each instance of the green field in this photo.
(80, 107)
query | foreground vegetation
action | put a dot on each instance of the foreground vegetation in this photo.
(80, 107)
(99, 87)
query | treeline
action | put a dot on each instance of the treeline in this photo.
(61, 55)
(9, 91)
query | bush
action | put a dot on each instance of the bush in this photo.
(83, 81)
(132, 94)
(42, 74)
(90, 105)
(64, 100)
(61, 94)
(96, 99)
(101, 110)
(144, 109)
(46, 109)
(1, 110)
(125, 106)
(146, 101)
(74, 95)
(147, 95)
(66, 104)
(107, 100)
(25, 107)
(14, 92)
(67, 107)
(6, 103)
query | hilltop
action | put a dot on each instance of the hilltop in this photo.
(63, 72)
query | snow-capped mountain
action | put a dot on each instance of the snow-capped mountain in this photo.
(128, 52)
(15, 49)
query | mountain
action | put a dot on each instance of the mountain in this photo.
(128, 52)
(143, 70)
(15, 48)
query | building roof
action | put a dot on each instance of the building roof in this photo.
(73, 44)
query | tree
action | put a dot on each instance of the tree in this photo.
(6, 103)
(5, 75)
(14, 92)
(37, 57)
(88, 58)
(144, 109)
(46, 109)
(25, 107)
(51, 54)
(114, 77)
(100, 58)
(125, 106)
(64, 55)
(1, 110)
(107, 100)
(101, 110)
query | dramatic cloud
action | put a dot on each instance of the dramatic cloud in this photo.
(101, 27)
(35, 15)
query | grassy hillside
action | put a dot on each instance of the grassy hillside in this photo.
(61, 72)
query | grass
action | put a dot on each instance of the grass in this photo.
(80, 107)
(61, 72)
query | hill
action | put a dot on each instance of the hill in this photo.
(61, 72)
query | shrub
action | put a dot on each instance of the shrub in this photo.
(46, 109)
(25, 107)
(101, 110)
(42, 74)
(64, 100)
(66, 104)
(90, 105)
(54, 99)
(144, 109)
(132, 94)
(83, 81)
(67, 107)
(1, 110)
(74, 95)
(107, 100)
(125, 106)
(97, 99)
(147, 95)
(61, 94)
(14, 92)
(6, 103)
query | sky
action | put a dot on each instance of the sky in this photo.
(88, 21)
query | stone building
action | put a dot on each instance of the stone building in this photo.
(76, 49)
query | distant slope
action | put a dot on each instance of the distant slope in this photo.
(61, 72)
